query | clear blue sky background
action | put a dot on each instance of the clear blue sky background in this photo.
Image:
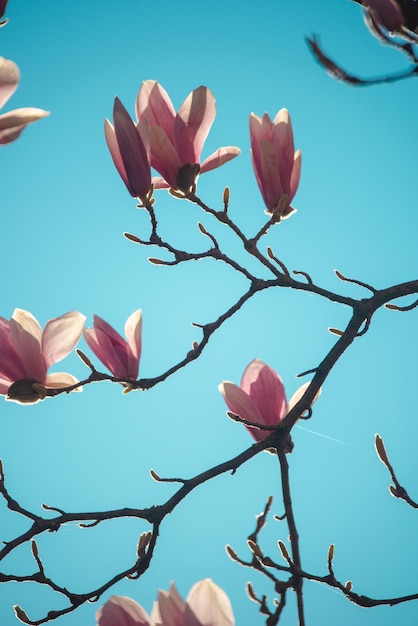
(64, 210)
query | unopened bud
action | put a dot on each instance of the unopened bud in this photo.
(331, 553)
(250, 592)
(20, 614)
(233, 416)
(154, 475)
(34, 547)
(393, 307)
(155, 261)
(393, 491)
(226, 196)
(270, 252)
(339, 275)
(283, 550)
(336, 331)
(195, 345)
(202, 228)
(380, 449)
(231, 553)
(255, 548)
(85, 359)
(131, 237)
(348, 585)
(143, 543)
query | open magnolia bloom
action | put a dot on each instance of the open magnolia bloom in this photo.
(120, 356)
(206, 605)
(13, 122)
(261, 398)
(276, 165)
(27, 352)
(129, 148)
(177, 139)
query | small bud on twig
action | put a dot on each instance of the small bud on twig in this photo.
(381, 450)
(255, 548)
(154, 475)
(20, 614)
(331, 553)
(226, 199)
(283, 550)
(231, 553)
(348, 585)
(202, 228)
(155, 261)
(85, 359)
(34, 547)
(250, 592)
(336, 331)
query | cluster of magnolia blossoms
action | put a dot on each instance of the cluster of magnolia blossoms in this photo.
(27, 352)
(172, 144)
(206, 605)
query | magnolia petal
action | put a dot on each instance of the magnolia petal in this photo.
(11, 366)
(164, 157)
(388, 13)
(132, 150)
(170, 609)
(153, 103)
(133, 333)
(209, 604)
(9, 79)
(60, 380)
(299, 393)
(26, 335)
(240, 403)
(218, 158)
(122, 611)
(295, 177)
(61, 335)
(113, 146)
(195, 116)
(266, 390)
(113, 355)
(14, 122)
(271, 189)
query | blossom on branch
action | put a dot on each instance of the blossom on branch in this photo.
(276, 166)
(206, 605)
(13, 122)
(26, 353)
(120, 356)
(261, 398)
(177, 138)
(129, 147)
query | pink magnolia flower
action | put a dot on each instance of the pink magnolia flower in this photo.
(206, 605)
(276, 166)
(129, 148)
(261, 398)
(13, 122)
(177, 138)
(26, 353)
(119, 356)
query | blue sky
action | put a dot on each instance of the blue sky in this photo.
(64, 210)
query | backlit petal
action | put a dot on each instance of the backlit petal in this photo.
(60, 336)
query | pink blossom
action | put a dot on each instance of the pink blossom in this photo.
(26, 353)
(13, 122)
(261, 398)
(206, 605)
(387, 13)
(177, 138)
(129, 148)
(276, 166)
(119, 356)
